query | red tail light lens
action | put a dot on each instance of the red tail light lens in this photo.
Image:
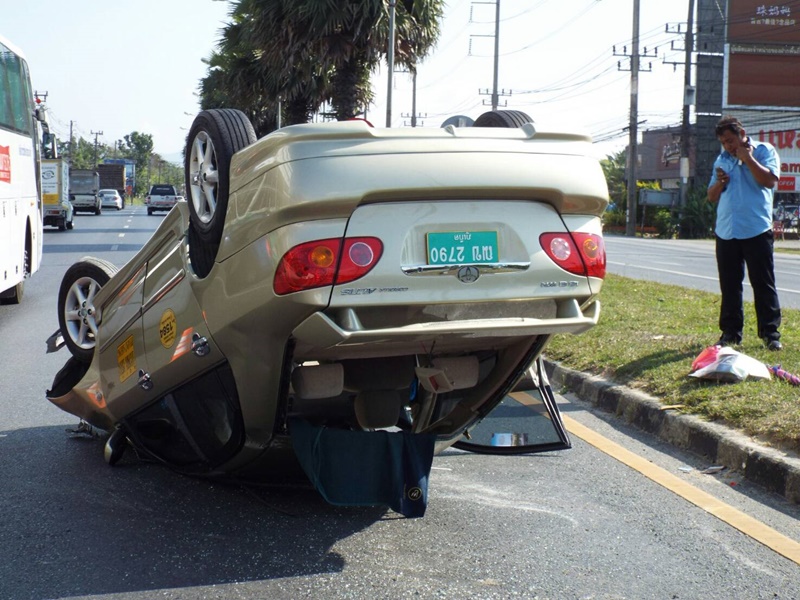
(578, 253)
(323, 262)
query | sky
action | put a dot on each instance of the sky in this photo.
(116, 67)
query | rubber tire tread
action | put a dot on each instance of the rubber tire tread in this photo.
(502, 118)
(106, 271)
(230, 130)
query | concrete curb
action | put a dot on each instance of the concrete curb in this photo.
(775, 470)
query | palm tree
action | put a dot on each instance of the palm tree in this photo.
(235, 79)
(306, 52)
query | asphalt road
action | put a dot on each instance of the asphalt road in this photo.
(570, 524)
(692, 263)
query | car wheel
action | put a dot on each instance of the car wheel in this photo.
(502, 118)
(149, 211)
(97, 210)
(62, 224)
(77, 314)
(201, 254)
(215, 136)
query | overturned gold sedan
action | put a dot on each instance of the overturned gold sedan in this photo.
(351, 298)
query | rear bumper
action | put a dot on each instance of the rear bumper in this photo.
(327, 337)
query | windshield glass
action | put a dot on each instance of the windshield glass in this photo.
(162, 190)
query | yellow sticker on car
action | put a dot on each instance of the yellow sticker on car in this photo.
(168, 329)
(126, 358)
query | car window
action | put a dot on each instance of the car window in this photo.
(162, 190)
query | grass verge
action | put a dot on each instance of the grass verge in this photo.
(649, 334)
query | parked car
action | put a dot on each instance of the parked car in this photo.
(352, 298)
(111, 199)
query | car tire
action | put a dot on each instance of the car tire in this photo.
(215, 136)
(502, 118)
(77, 315)
(149, 211)
(62, 224)
(98, 210)
(201, 254)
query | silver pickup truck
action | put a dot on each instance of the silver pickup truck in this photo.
(161, 197)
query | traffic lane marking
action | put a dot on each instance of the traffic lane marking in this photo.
(681, 273)
(749, 526)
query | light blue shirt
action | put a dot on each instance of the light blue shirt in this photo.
(745, 207)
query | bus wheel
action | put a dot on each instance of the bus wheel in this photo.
(77, 313)
(13, 295)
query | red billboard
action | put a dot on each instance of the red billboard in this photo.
(759, 22)
(760, 79)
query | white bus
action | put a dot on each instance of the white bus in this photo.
(20, 198)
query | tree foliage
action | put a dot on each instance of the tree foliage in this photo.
(296, 55)
(614, 170)
(150, 166)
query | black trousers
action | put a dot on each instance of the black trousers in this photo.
(756, 253)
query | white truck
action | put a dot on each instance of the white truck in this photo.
(162, 196)
(57, 209)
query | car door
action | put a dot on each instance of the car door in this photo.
(527, 420)
(122, 359)
(177, 342)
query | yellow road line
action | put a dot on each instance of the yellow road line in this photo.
(747, 525)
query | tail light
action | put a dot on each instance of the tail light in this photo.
(325, 262)
(579, 253)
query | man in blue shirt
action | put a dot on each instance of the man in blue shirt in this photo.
(743, 180)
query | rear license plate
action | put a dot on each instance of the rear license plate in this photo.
(462, 247)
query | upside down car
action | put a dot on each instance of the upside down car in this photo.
(350, 298)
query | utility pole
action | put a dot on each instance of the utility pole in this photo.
(414, 114)
(495, 93)
(633, 150)
(96, 134)
(688, 100)
(496, 52)
(70, 141)
(390, 60)
(414, 96)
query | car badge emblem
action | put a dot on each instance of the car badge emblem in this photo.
(468, 274)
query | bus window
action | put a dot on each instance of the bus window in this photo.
(21, 211)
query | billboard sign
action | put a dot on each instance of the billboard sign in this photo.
(759, 22)
(786, 139)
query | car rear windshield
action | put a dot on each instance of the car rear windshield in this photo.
(107, 192)
(162, 190)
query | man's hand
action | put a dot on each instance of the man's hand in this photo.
(722, 177)
(744, 152)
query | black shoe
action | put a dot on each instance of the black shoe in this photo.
(728, 340)
(774, 345)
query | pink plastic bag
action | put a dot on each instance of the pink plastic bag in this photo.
(705, 358)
